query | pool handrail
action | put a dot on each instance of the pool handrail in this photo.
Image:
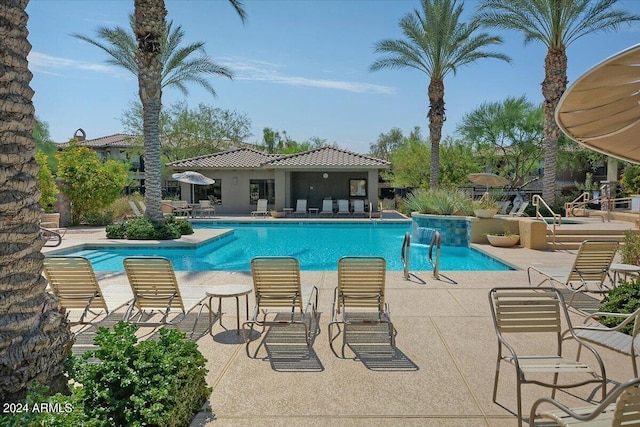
(406, 249)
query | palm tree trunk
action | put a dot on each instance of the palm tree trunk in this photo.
(436, 120)
(35, 332)
(553, 86)
(149, 17)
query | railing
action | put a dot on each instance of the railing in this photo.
(539, 202)
(52, 236)
(406, 250)
(582, 201)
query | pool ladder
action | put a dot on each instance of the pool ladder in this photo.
(406, 254)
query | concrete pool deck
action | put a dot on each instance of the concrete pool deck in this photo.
(441, 375)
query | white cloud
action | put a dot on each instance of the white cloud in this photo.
(48, 64)
(268, 72)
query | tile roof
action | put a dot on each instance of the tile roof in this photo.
(232, 159)
(119, 140)
(329, 156)
(250, 158)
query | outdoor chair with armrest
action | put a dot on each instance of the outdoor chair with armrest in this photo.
(261, 208)
(327, 208)
(280, 301)
(621, 407)
(73, 280)
(533, 314)
(205, 208)
(612, 338)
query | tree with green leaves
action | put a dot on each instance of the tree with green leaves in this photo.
(155, 56)
(507, 135)
(556, 24)
(408, 160)
(436, 43)
(387, 144)
(36, 338)
(457, 161)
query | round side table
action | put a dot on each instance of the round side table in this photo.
(623, 269)
(228, 291)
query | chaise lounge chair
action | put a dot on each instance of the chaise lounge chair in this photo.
(155, 287)
(343, 208)
(72, 279)
(279, 298)
(327, 208)
(261, 209)
(359, 298)
(526, 315)
(518, 209)
(590, 266)
(134, 208)
(358, 208)
(301, 208)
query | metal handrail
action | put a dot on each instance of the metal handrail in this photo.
(537, 201)
(435, 240)
(582, 201)
(406, 249)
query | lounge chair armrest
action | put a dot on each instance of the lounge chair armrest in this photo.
(628, 318)
(586, 345)
(313, 301)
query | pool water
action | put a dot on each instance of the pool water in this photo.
(317, 246)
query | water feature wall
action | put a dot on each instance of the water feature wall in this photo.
(454, 230)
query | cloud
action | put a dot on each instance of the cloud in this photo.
(54, 65)
(269, 72)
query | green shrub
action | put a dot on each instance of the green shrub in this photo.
(116, 231)
(630, 251)
(144, 228)
(104, 217)
(143, 383)
(631, 179)
(183, 225)
(441, 201)
(624, 298)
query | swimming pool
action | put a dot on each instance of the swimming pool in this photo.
(317, 246)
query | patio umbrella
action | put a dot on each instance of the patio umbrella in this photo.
(488, 179)
(600, 110)
(193, 178)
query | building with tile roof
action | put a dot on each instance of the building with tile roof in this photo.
(245, 175)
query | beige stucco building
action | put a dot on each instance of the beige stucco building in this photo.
(245, 175)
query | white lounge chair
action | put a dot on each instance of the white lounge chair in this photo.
(134, 208)
(518, 209)
(261, 209)
(205, 208)
(343, 208)
(358, 208)
(301, 208)
(327, 207)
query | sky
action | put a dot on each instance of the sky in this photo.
(300, 66)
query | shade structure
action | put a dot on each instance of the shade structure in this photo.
(193, 178)
(488, 179)
(600, 109)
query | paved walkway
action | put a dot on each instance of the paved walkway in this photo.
(441, 375)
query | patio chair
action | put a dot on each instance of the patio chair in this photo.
(181, 208)
(205, 208)
(279, 298)
(620, 408)
(155, 287)
(327, 208)
(261, 209)
(532, 315)
(343, 208)
(518, 209)
(591, 265)
(612, 338)
(359, 298)
(143, 207)
(53, 235)
(301, 208)
(504, 207)
(72, 279)
(134, 208)
(358, 208)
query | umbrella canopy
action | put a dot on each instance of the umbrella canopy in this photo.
(191, 177)
(488, 179)
(601, 111)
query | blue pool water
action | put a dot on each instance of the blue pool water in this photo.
(317, 246)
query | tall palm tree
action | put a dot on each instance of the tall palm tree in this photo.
(153, 52)
(436, 43)
(557, 24)
(35, 333)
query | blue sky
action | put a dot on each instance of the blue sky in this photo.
(301, 66)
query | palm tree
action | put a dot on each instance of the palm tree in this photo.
(35, 333)
(436, 43)
(557, 24)
(152, 51)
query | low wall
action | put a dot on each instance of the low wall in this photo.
(462, 230)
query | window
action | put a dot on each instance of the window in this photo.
(357, 187)
(262, 189)
(212, 192)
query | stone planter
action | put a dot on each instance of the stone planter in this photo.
(276, 214)
(485, 213)
(503, 241)
(50, 220)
